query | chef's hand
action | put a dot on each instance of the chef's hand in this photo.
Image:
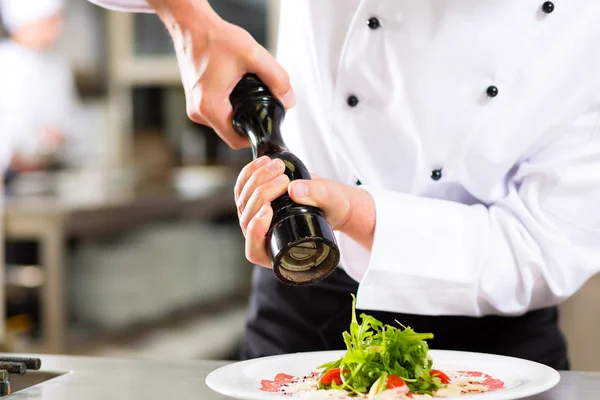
(213, 56)
(347, 208)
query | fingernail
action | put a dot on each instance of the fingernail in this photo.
(274, 165)
(262, 161)
(289, 99)
(263, 211)
(300, 190)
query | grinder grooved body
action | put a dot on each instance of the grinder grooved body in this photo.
(300, 241)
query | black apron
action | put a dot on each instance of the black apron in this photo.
(284, 319)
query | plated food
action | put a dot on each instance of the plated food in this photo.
(381, 362)
(500, 377)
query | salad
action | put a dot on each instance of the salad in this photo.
(382, 362)
(380, 357)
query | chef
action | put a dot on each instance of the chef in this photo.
(457, 149)
(37, 93)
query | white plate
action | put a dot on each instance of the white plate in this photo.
(521, 378)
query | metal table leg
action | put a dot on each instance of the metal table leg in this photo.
(53, 291)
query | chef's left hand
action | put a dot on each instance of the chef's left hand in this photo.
(348, 209)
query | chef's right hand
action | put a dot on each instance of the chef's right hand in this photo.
(259, 183)
(213, 56)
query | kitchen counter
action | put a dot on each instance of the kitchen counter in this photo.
(90, 379)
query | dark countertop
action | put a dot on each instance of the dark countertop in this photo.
(101, 378)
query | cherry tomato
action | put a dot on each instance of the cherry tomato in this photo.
(443, 377)
(394, 381)
(330, 376)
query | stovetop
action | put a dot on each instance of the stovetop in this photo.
(10, 366)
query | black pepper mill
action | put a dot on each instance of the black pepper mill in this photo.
(300, 242)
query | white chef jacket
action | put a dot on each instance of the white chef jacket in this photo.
(37, 89)
(37, 93)
(499, 99)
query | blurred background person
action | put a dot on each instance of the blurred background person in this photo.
(38, 104)
(38, 98)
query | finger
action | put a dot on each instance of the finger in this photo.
(217, 110)
(264, 194)
(263, 175)
(256, 251)
(275, 77)
(324, 194)
(246, 173)
(310, 192)
(199, 119)
(215, 86)
(218, 113)
(193, 101)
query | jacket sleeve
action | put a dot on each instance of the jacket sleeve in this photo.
(533, 248)
(124, 5)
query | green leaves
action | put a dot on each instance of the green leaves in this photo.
(375, 350)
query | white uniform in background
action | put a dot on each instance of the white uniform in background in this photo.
(37, 90)
(475, 128)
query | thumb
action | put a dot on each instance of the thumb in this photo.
(324, 194)
(276, 78)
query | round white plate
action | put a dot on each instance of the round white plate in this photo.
(521, 378)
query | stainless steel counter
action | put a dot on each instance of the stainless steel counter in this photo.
(90, 379)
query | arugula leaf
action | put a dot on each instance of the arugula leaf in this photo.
(375, 350)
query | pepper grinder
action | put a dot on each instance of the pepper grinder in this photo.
(300, 241)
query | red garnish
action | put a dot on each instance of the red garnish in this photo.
(276, 384)
(283, 378)
(443, 377)
(331, 376)
(269, 386)
(489, 382)
(394, 381)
